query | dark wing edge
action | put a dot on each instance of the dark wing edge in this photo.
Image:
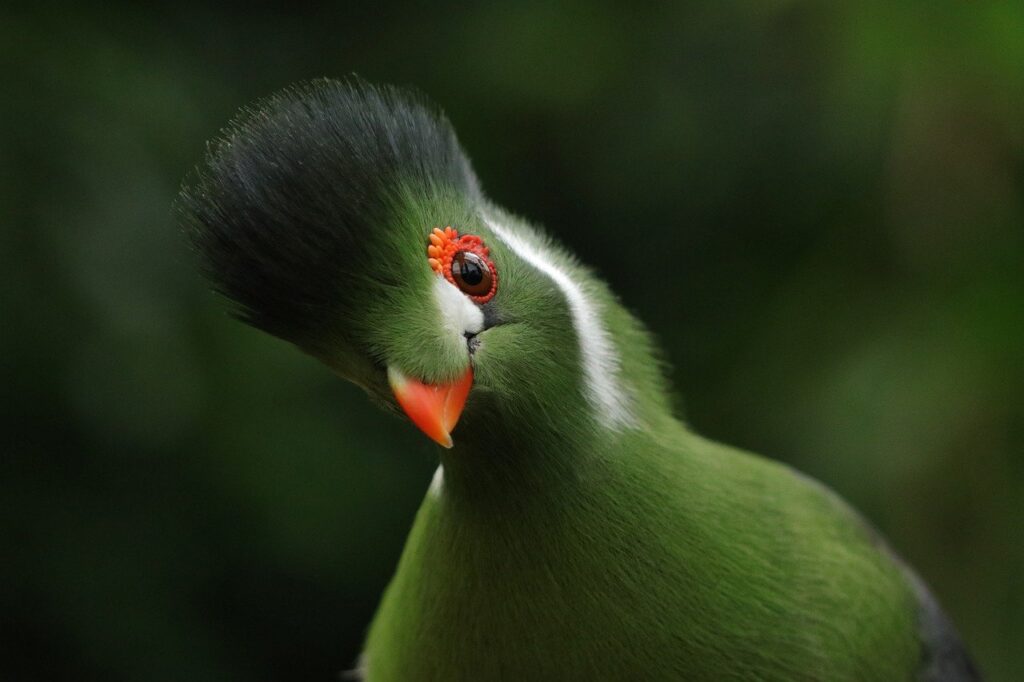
(944, 657)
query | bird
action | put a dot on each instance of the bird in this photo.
(576, 528)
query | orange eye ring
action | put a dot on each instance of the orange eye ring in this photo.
(464, 262)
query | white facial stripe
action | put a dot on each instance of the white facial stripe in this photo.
(600, 361)
(458, 314)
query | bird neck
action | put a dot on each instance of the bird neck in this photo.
(484, 466)
(504, 465)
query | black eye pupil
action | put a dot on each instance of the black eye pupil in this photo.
(470, 272)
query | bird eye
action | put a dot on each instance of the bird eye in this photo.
(464, 261)
(471, 273)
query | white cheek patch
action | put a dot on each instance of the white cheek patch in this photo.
(600, 360)
(458, 314)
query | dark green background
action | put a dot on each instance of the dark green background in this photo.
(818, 208)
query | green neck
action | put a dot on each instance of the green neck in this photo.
(499, 459)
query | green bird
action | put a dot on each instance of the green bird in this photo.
(575, 528)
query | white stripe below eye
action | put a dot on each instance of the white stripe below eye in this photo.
(600, 361)
(458, 314)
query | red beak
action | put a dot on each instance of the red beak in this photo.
(434, 408)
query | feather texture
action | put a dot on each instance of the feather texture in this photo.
(577, 530)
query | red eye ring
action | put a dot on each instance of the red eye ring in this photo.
(474, 272)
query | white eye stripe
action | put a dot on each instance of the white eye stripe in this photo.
(600, 360)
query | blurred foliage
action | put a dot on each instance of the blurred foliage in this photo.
(818, 207)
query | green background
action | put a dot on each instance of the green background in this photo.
(817, 207)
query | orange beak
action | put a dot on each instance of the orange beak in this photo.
(434, 408)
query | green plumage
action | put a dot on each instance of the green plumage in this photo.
(557, 549)
(691, 562)
(563, 540)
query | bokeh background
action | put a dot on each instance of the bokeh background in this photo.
(818, 208)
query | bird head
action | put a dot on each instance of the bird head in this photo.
(346, 219)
